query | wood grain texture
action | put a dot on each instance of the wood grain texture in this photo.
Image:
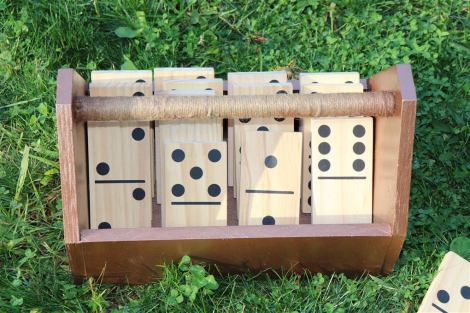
(215, 84)
(161, 74)
(249, 83)
(200, 130)
(305, 128)
(270, 178)
(72, 156)
(332, 88)
(329, 78)
(106, 88)
(195, 184)
(341, 169)
(319, 248)
(393, 154)
(120, 174)
(450, 288)
(116, 201)
(130, 76)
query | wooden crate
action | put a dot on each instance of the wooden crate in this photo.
(132, 255)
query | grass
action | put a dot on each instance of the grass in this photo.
(38, 37)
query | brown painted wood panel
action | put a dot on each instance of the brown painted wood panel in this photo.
(394, 138)
(345, 248)
(72, 155)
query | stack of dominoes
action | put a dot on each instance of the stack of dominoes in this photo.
(324, 168)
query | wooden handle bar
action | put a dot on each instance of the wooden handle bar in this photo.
(164, 107)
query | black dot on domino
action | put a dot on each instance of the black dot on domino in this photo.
(102, 168)
(209, 89)
(262, 129)
(279, 119)
(348, 82)
(178, 155)
(138, 94)
(214, 190)
(359, 131)
(281, 92)
(177, 190)
(465, 292)
(324, 165)
(310, 185)
(214, 155)
(310, 169)
(313, 92)
(273, 81)
(324, 131)
(314, 82)
(240, 149)
(443, 296)
(201, 77)
(359, 148)
(138, 134)
(309, 201)
(268, 220)
(138, 194)
(358, 165)
(324, 148)
(104, 225)
(140, 81)
(244, 120)
(196, 172)
(270, 161)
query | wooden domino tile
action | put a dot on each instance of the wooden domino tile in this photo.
(119, 158)
(305, 124)
(216, 84)
(256, 77)
(243, 80)
(341, 169)
(171, 73)
(195, 184)
(119, 88)
(450, 289)
(200, 130)
(270, 178)
(332, 88)
(123, 84)
(262, 124)
(329, 78)
(132, 76)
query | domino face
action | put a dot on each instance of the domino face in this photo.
(305, 126)
(216, 85)
(119, 158)
(341, 169)
(205, 130)
(250, 83)
(120, 88)
(171, 73)
(450, 289)
(270, 178)
(256, 77)
(329, 78)
(195, 184)
(333, 88)
(130, 76)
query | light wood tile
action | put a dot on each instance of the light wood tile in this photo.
(450, 289)
(342, 156)
(195, 176)
(270, 178)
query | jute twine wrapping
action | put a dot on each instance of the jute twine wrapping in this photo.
(197, 107)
